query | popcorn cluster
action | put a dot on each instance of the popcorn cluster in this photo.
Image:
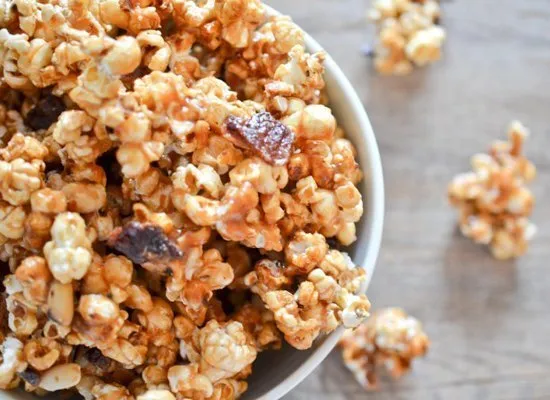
(169, 182)
(493, 200)
(408, 34)
(389, 339)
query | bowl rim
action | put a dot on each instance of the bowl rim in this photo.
(374, 225)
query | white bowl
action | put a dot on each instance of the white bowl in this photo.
(278, 372)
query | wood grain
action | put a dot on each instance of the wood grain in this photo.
(488, 320)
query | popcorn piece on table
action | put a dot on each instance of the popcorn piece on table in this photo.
(493, 200)
(408, 34)
(389, 339)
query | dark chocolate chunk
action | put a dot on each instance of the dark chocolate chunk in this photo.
(144, 243)
(263, 135)
(97, 358)
(45, 112)
(129, 79)
(4, 327)
(31, 377)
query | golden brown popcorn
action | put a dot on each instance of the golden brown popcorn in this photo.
(299, 331)
(22, 317)
(37, 230)
(190, 179)
(320, 160)
(42, 354)
(297, 215)
(268, 275)
(129, 347)
(213, 21)
(248, 71)
(156, 395)
(203, 273)
(13, 362)
(320, 304)
(19, 179)
(304, 252)
(154, 375)
(94, 388)
(222, 350)
(219, 153)
(10, 56)
(158, 322)
(102, 336)
(25, 147)
(48, 201)
(333, 212)
(70, 126)
(408, 35)
(344, 161)
(134, 17)
(271, 206)
(153, 188)
(158, 53)
(313, 122)
(493, 200)
(136, 158)
(93, 89)
(265, 178)
(238, 19)
(69, 253)
(35, 277)
(12, 220)
(26, 62)
(200, 210)
(138, 297)
(389, 339)
(301, 76)
(312, 310)
(233, 224)
(66, 56)
(259, 322)
(97, 309)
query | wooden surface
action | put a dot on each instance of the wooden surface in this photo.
(489, 321)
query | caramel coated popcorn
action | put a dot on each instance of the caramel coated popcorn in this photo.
(408, 34)
(493, 200)
(390, 339)
(170, 177)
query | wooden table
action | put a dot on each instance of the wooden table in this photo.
(489, 321)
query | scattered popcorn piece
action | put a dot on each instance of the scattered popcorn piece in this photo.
(493, 200)
(408, 34)
(389, 339)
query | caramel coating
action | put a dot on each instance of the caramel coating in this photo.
(493, 201)
(408, 35)
(169, 177)
(389, 340)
